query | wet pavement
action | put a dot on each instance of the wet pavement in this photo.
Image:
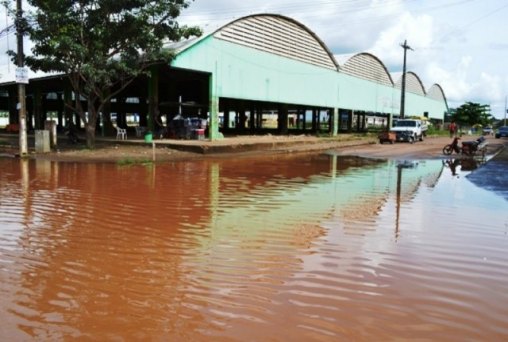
(493, 175)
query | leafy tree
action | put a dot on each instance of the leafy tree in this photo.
(101, 45)
(470, 114)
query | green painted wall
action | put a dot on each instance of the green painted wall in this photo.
(246, 73)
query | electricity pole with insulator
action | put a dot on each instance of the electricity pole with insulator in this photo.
(23, 145)
(403, 91)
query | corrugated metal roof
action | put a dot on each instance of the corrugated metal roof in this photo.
(278, 35)
(369, 67)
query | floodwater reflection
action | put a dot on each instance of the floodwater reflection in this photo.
(309, 247)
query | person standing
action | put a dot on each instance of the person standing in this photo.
(453, 129)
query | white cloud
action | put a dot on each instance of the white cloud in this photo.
(417, 30)
(455, 81)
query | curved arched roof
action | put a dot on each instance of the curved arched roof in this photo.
(279, 35)
(367, 66)
(436, 93)
(413, 83)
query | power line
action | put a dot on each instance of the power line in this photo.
(8, 30)
(474, 21)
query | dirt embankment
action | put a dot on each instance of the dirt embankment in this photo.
(428, 149)
(118, 152)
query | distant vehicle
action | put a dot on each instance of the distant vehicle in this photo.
(409, 130)
(502, 132)
(487, 130)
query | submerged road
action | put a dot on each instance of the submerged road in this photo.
(493, 175)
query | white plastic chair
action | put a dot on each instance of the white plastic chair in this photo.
(121, 133)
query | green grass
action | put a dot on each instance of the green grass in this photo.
(432, 131)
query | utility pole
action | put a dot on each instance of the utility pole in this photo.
(403, 91)
(23, 145)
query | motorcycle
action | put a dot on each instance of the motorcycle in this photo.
(469, 148)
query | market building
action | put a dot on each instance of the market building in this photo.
(259, 74)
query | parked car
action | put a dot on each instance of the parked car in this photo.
(409, 130)
(487, 130)
(502, 132)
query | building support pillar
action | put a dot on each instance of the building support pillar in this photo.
(314, 120)
(252, 117)
(37, 110)
(213, 108)
(350, 121)
(318, 120)
(143, 119)
(241, 118)
(67, 101)
(259, 116)
(303, 119)
(225, 118)
(59, 112)
(334, 122)
(283, 119)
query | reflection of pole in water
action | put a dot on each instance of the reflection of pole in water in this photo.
(25, 177)
(333, 166)
(25, 188)
(214, 175)
(152, 167)
(399, 187)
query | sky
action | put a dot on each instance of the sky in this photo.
(462, 45)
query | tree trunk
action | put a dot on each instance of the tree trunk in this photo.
(90, 135)
(90, 124)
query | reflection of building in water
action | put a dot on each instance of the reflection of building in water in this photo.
(347, 188)
(395, 183)
(149, 244)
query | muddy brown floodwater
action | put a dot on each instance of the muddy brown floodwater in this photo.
(310, 247)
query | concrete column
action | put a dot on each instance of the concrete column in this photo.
(143, 117)
(303, 118)
(59, 111)
(283, 119)
(350, 121)
(314, 120)
(252, 121)
(67, 100)
(225, 123)
(37, 110)
(334, 122)
(259, 116)
(242, 118)
(318, 120)
(213, 109)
